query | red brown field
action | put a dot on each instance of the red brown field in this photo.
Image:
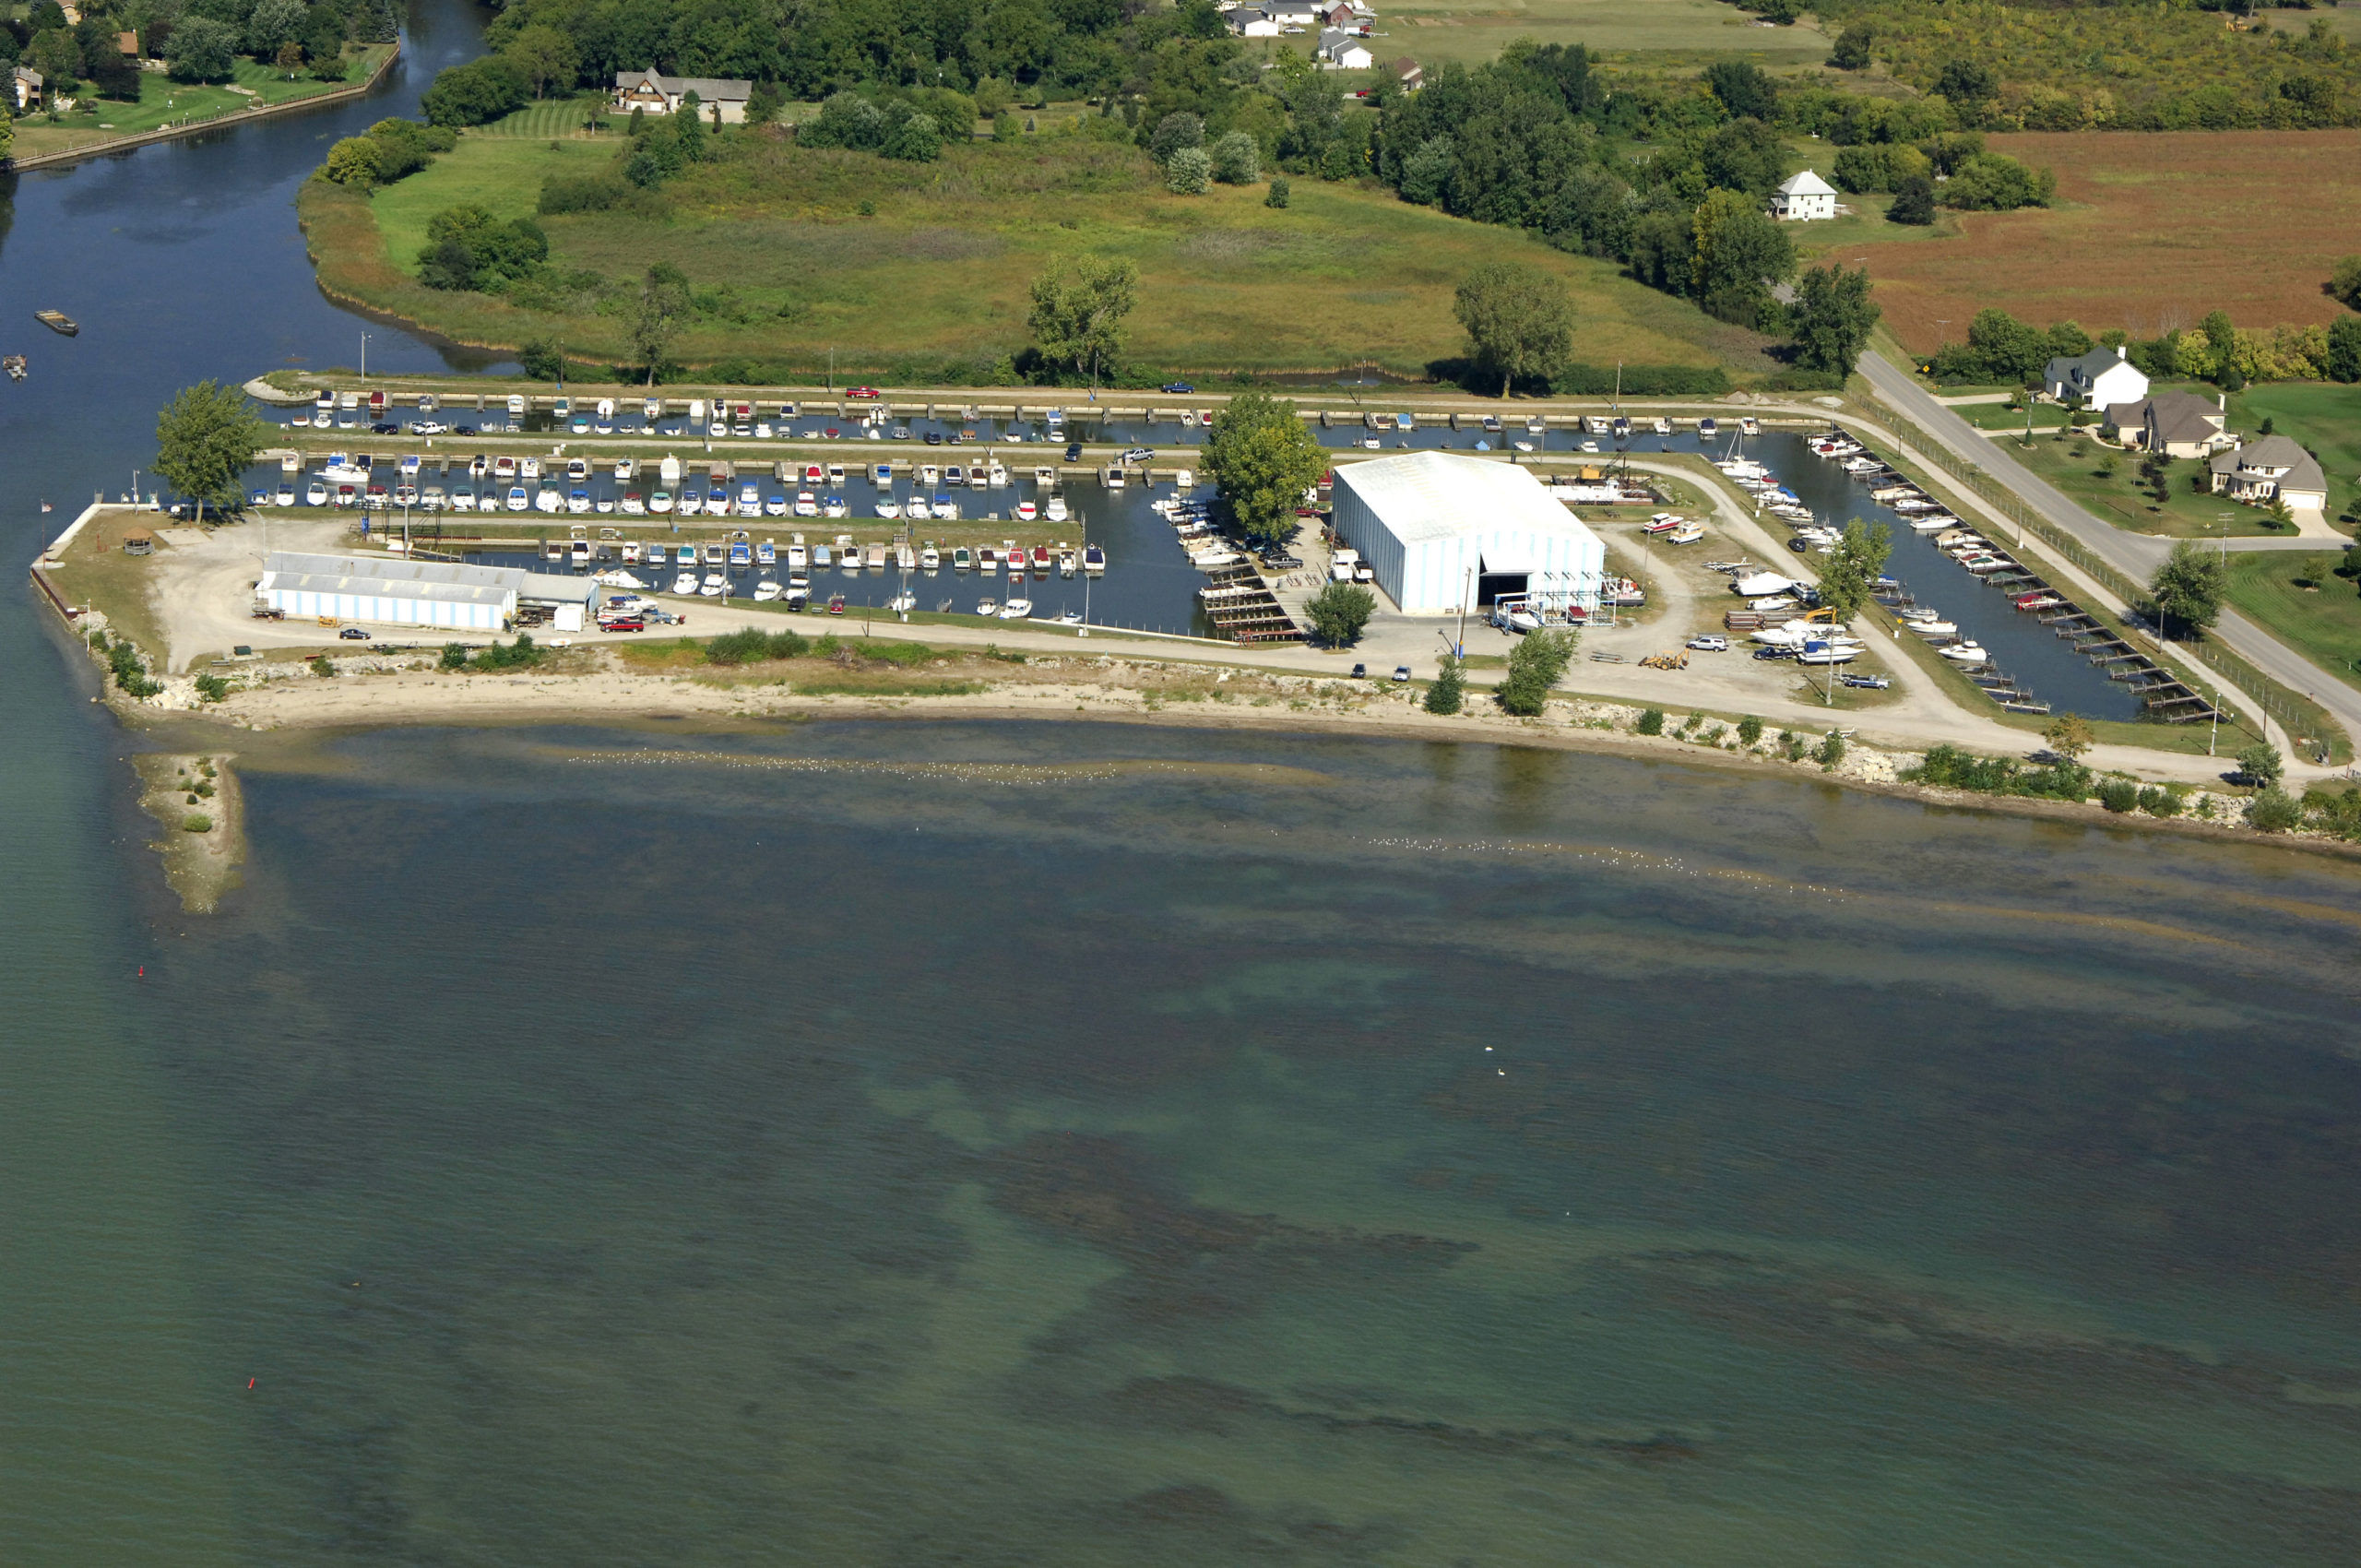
(2152, 231)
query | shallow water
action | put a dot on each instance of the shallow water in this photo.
(1015, 1143)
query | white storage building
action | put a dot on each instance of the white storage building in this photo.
(396, 590)
(1436, 527)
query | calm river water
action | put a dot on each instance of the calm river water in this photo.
(1003, 1143)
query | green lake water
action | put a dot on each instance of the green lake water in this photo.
(912, 1143)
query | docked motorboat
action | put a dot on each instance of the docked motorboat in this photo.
(713, 585)
(686, 583)
(1016, 609)
(1965, 653)
(1056, 510)
(1094, 561)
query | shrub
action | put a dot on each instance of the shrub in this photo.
(1651, 721)
(2274, 810)
(1831, 751)
(585, 193)
(1175, 132)
(1238, 159)
(2260, 763)
(2119, 795)
(542, 359)
(1750, 731)
(1535, 665)
(1949, 767)
(519, 655)
(1278, 194)
(2340, 814)
(2159, 802)
(752, 645)
(212, 688)
(475, 93)
(1188, 172)
(1449, 691)
(454, 656)
(196, 822)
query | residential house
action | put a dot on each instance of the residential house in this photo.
(1345, 51)
(27, 88)
(2175, 423)
(1805, 198)
(2271, 468)
(1293, 12)
(128, 45)
(719, 98)
(1409, 73)
(2099, 379)
(1251, 21)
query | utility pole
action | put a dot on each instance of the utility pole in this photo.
(364, 356)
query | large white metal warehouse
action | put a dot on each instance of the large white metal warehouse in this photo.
(1441, 531)
(403, 592)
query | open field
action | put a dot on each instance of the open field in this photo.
(2106, 483)
(163, 101)
(1666, 30)
(940, 271)
(2303, 602)
(2324, 419)
(2153, 231)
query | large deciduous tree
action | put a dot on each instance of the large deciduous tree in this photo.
(205, 439)
(1833, 318)
(1339, 611)
(2188, 590)
(1535, 666)
(1851, 573)
(1077, 324)
(663, 305)
(1520, 319)
(1263, 460)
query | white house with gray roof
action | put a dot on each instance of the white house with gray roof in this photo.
(2099, 379)
(1804, 198)
(2271, 467)
(719, 98)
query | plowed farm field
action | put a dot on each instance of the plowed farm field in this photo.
(2151, 231)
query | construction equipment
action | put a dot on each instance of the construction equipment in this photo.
(1677, 659)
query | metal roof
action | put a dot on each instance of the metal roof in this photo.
(1424, 496)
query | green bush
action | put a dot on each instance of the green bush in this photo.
(1949, 767)
(2260, 763)
(454, 656)
(2119, 795)
(519, 655)
(1652, 721)
(1449, 691)
(196, 822)
(2274, 810)
(212, 688)
(1831, 751)
(1276, 196)
(2159, 802)
(752, 645)
(1750, 731)
(2340, 814)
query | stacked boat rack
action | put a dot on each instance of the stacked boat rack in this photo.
(2164, 694)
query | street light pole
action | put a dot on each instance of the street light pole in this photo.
(364, 356)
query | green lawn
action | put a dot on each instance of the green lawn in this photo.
(163, 101)
(2325, 419)
(940, 267)
(2302, 599)
(2120, 500)
(1666, 30)
(2000, 416)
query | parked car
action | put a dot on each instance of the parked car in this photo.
(355, 634)
(1073, 451)
(1710, 642)
(1401, 671)
(1360, 672)
(463, 430)
(1140, 455)
(1799, 545)
(863, 392)
(623, 623)
(1178, 387)
(934, 438)
(384, 427)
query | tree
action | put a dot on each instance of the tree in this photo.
(1833, 317)
(1967, 84)
(1853, 565)
(2069, 735)
(542, 359)
(1338, 613)
(1278, 194)
(203, 50)
(1535, 665)
(545, 57)
(2188, 588)
(1187, 172)
(2345, 348)
(1852, 50)
(273, 23)
(57, 57)
(688, 127)
(2344, 283)
(763, 104)
(2261, 765)
(358, 162)
(1175, 131)
(2222, 340)
(205, 439)
(917, 140)
(116, 76)
(289, 58)
(1080, 324)
(1746, 91)
(1450, 688)
(1238, 159)
(1739, 252)
(473, 94)
(663, 305)
(1913, 201)
(1263, 460)
(1520, 319)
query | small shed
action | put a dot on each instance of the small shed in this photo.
(138, 542)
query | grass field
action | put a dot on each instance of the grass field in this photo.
(1346, 274)
(2304, 602)
(2152, 231)
(163, 101)
(1666, 30)
(2325, 419)
(2120, 501)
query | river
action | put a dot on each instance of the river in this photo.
(919, 1143)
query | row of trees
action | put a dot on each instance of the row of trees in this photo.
(386, 151)
(199, 40)
(2002, 348)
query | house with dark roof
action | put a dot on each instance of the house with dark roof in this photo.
(721, 98)
(2271, 468)
(2175, 423)
(1410, 74)
(1343, 51)
(2099, 379)
(26, 85)
(1253, 21)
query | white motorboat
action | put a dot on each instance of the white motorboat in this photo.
(766, 591)
(1827, 653)
(1057, 509)
(930, 559)
(1965, 653)
(1027, 511)
(713, 585)
(1016, 609)
(685, 583)
(901, 603)
(1931, 627)
(988, 607)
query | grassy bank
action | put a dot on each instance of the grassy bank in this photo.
(940, 265)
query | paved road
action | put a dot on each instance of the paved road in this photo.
(2135, 555)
